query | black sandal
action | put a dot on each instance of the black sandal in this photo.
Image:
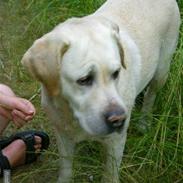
(29, 139)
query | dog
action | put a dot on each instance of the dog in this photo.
(92, 68)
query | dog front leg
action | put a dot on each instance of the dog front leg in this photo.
(149, 98)
(115, 146)
(66, 150)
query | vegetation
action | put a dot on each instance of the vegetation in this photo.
(155, 157)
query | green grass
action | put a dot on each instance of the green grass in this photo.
(156, 157)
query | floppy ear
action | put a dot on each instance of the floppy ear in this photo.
(43, 62)
(116, 35)
(120, 48)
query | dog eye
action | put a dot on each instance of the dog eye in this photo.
(86, 81)
(116, 74)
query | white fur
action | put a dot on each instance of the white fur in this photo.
(146, 30)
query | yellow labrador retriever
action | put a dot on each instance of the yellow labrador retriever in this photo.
(92, 69)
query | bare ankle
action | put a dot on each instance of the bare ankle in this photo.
(15, 152)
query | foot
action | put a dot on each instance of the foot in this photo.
(16, 151)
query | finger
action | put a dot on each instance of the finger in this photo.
(38, 146)
(5, 113)
(38, 140)
(6, 101)
(22, 115)
(30, 107)
(19, 114)
(29, 118)
(18, 121)
(17, 103)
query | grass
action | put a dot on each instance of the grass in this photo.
(155, 157)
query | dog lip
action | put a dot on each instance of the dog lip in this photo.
(104, 133)
(113, 130)
(116, 125)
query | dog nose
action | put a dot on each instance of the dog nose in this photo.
(115, 118)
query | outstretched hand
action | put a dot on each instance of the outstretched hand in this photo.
(17, 109)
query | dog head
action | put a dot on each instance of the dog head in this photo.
(83, 60)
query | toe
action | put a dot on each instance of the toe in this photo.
(38, 140)
(38, 146)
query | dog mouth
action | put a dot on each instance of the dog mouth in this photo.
(98, 126)
(117, 129)
(105, 130)
(109, 131)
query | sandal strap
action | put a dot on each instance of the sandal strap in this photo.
(30, 151)
(4, 163)
(4, 142)
(29, 140)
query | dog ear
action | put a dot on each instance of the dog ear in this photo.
(43, 62)
(116, 35)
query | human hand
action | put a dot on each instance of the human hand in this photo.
(17, 109)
